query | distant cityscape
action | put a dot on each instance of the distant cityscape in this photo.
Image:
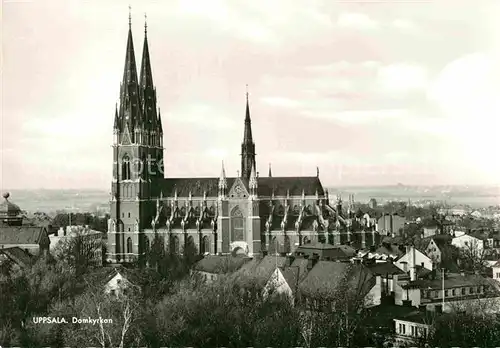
(97, 201)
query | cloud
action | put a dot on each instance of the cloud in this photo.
(200, 115)
(401, 78)
(281, 102)
(356, 21)
(405, 25)
(359, 117)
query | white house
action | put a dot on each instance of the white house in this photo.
(91, 239)
(496, 271)
(469, 242)
(413, 258)
(454, 292)
(118, 284)
(282, 282)
(409, 329)
(211, 267)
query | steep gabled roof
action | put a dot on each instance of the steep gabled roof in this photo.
(384, 268)
(217, 264)
(294, 185)
(21, 234)
(17, 255)
(326, 277)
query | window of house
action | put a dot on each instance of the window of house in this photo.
(463, 291)
(435, 294)
(413, 330)
(471, 290)
(404, 329)
(498, 275)
(128, 214)
(453, 292)
(446, 293)
(113, 292)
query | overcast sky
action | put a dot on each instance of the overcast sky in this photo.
(371, 92)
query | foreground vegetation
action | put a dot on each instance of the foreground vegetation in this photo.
(174, 308)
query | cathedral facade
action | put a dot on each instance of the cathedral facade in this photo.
(247, 214)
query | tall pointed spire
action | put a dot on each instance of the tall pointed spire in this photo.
(247, 136)
(253, 180)
(222, 178)
(160, 127)
(116, 126)
(248, 146)
(148, 92)
(130, 107)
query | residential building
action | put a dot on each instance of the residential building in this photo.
(91, 242)
(391, 224)
(31, 239)
(283, 281)
(328, 283)
(327, 251)
(496, 271)
(120, 282)
(413, 328)
(437, 247)
(17, 257)
(211, 267)
(469, 242)
(460, 292)
(412, 258)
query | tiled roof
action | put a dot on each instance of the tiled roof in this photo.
(197, 186)
(389, 251)
(384, 268)
(258, 271)
(266, 185)
(327, 250)
(301, 264)
(18, 255)
(450, 281)
(21, 234)
(292, 276)
(293, 185)
(220, 264)
(326, 277)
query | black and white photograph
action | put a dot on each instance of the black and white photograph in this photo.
(265, 173)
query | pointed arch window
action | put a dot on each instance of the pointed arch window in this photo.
(287, 247)
(273, 246)
(145, 166)
(129, 245)
(126, 168)
(205, 245)
(146, 245)
(281, 210)
(175, 244)
(237, 225)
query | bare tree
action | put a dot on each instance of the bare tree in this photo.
(472, 257)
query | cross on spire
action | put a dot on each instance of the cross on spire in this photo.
(247, 91)
(145, 23)
(129, 16)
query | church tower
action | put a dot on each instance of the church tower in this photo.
(137, 147)
(247, 147)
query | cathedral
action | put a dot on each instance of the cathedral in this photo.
(248, 214)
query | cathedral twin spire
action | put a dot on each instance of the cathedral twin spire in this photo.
(247, 147)
(137, 111)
